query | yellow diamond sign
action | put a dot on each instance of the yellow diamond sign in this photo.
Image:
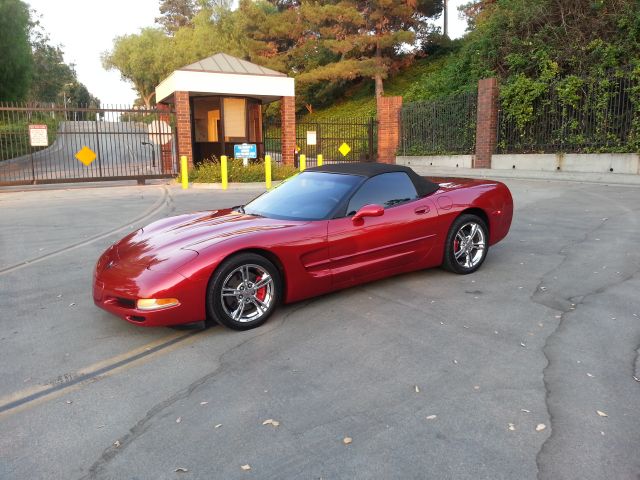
(86, 155)
(344, 149)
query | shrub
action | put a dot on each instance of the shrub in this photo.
(209, 172)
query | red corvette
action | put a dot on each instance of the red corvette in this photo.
(328, 228)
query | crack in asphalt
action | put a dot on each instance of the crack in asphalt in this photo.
(566, 306)
(144, 424)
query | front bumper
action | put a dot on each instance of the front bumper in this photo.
(117, 292)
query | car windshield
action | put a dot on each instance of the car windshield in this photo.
(307, 196)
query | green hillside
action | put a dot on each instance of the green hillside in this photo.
(360, 101)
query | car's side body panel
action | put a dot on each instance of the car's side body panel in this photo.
(175, 257)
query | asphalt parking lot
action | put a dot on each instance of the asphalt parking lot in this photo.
(528, 368)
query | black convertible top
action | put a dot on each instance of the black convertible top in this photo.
(370, 169)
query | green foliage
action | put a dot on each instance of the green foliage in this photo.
(16, 61)
(143, 59)
(209, 172)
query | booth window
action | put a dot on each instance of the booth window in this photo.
(235, 120)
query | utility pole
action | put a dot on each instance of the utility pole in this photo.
(445, 29)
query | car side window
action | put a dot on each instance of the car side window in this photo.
(387, 190)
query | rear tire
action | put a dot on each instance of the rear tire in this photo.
(243, 292)
(467, 244)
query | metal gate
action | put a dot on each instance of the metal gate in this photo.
(359, 135)
(48, 143)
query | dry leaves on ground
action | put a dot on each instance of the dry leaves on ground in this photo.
(601, 413)
(347, 440)
(271, 421)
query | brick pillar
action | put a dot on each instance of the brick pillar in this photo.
(183, 117)
(487, 122)
(388, 128)
(166, 150)
(288, 135)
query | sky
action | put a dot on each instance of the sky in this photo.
(86, 28)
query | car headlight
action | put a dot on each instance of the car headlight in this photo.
(147, 304)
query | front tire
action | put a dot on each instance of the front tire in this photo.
(467, 245)
(243, 291)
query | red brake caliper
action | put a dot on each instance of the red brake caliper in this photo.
(261, 293)
(456, 246)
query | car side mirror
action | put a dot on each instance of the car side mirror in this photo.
(368, 211)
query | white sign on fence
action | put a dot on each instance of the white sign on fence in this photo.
(311, 137)
(38, 136)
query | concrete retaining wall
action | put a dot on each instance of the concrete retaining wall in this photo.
(628, 163)
(452, 161)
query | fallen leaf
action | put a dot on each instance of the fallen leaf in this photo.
(512, 427)
(431, 417)
(476, 387)
(116, 443)
(246, 467)
(271, 421)
(455, 361)
(522, 344)
(417, 389)
(636, 378)
(601, 413)
(203, 403)
(540, 427)
(72, 304)
(589, 375)
(178, 420)
(347, 440)
(69, 402)
(525, 410)
(218, 425)
(181, 469)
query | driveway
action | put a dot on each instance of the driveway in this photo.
(526, 369)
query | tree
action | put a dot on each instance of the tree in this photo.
(337, 41)
(16, 63)
(50, 75)
(144, 59)
(175, 14)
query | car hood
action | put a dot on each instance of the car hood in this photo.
(178, 239)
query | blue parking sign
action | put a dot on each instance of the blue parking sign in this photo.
(245, 150)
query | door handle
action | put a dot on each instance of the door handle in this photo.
(422, 210)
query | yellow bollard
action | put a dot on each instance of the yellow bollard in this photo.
(319, 159)
(184, 172)
(267, 171)
(303, 162)
(223, 171)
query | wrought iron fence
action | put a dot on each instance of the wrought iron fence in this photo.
(48, 143)
(443, 126)
(585, 116)
(360, 135)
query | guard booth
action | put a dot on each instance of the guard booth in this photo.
(218, 103)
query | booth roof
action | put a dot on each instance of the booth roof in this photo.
(223, 63)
